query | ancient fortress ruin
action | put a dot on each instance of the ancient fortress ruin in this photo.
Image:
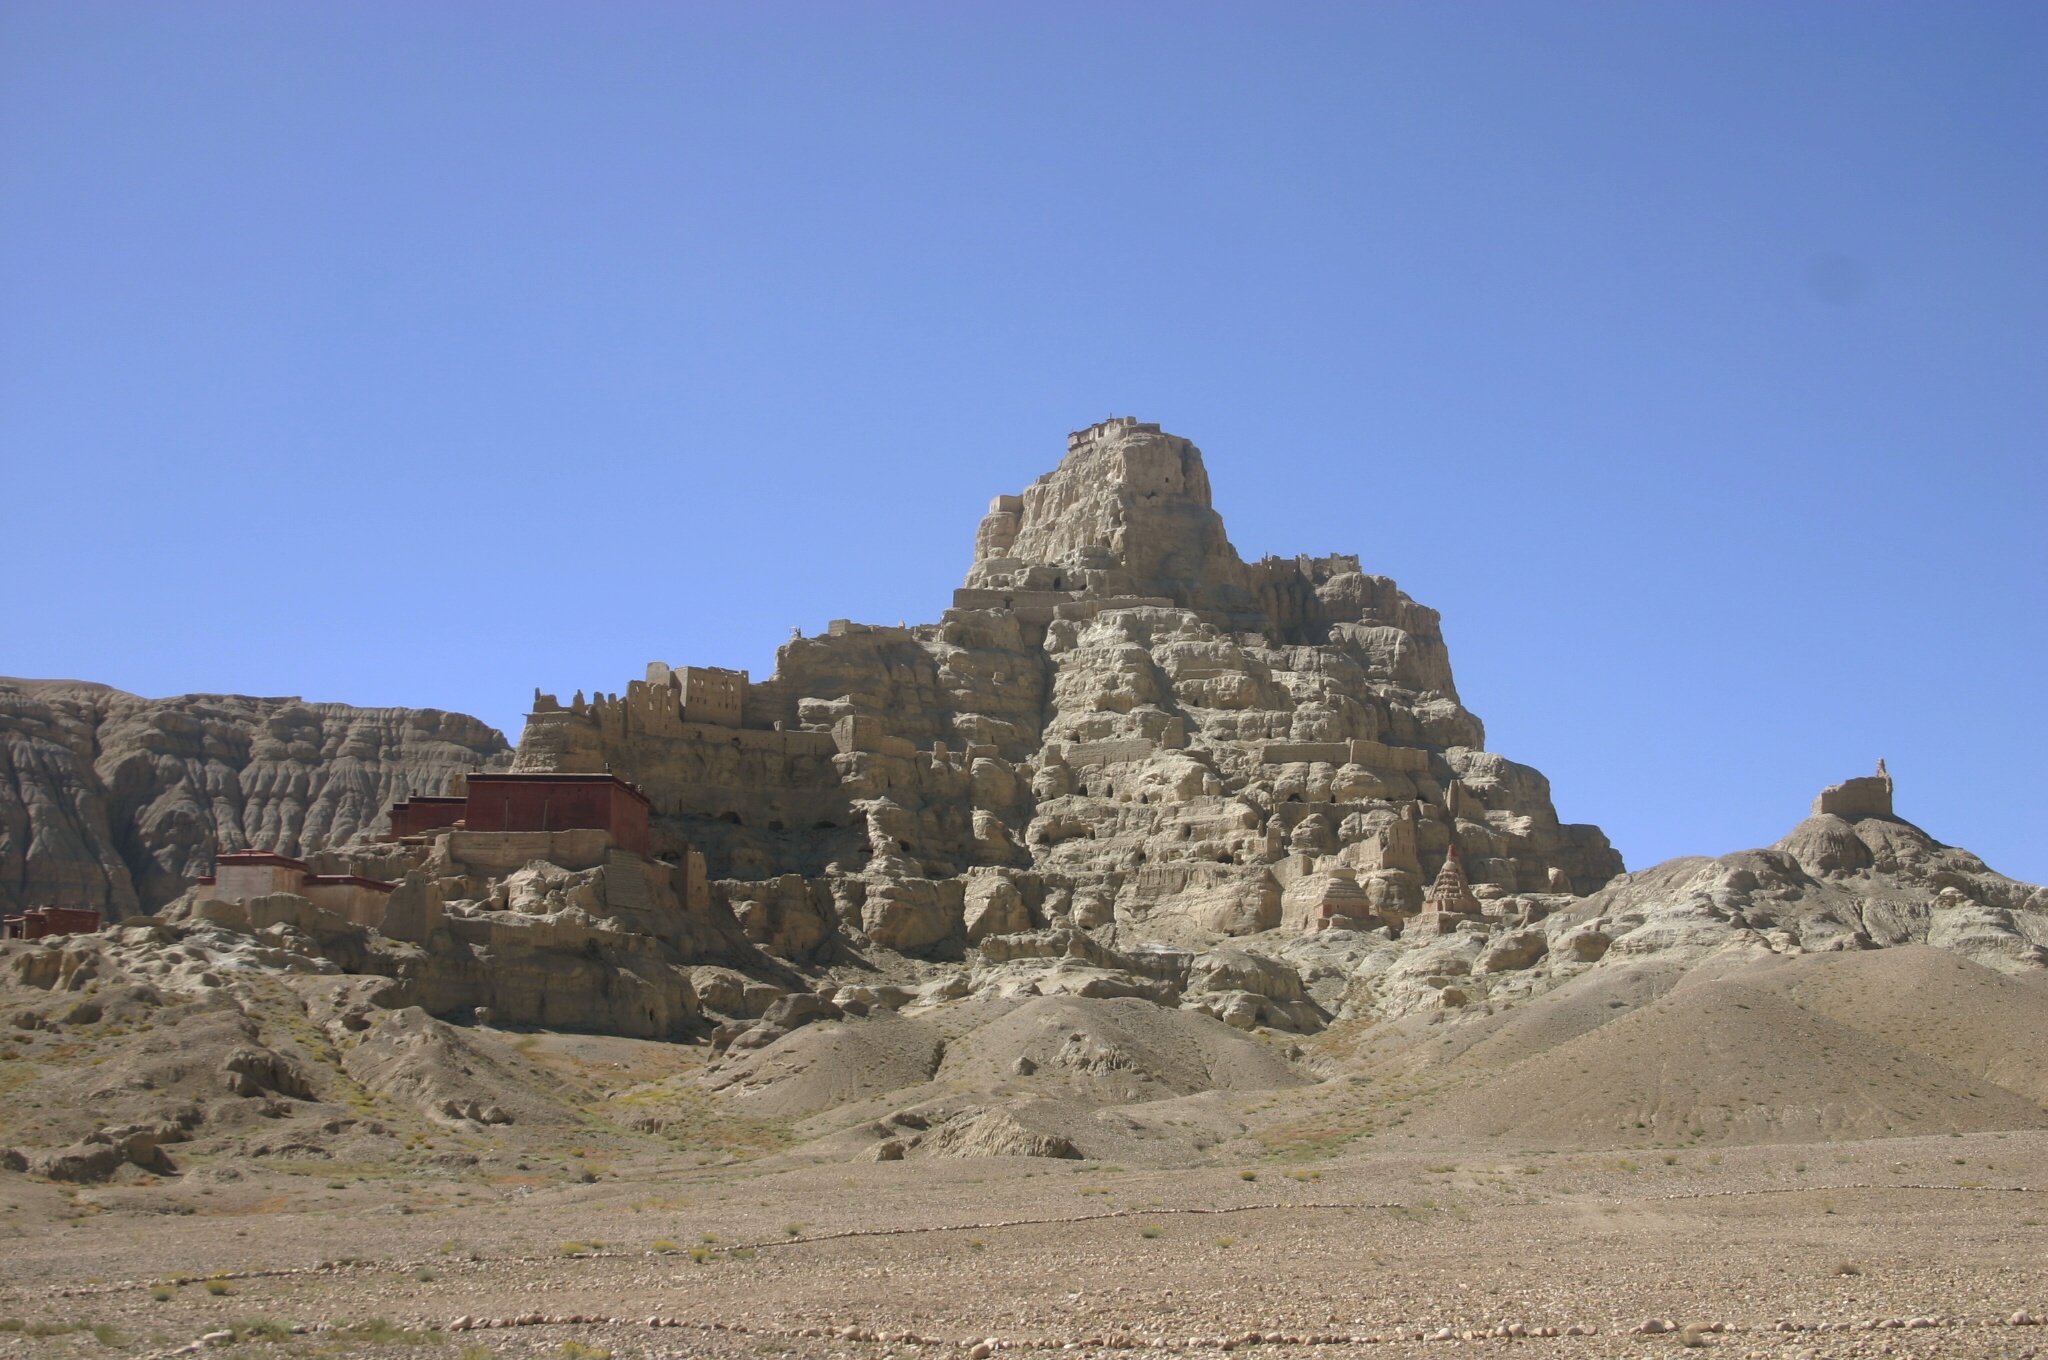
(1119, 721)
(1128, 779)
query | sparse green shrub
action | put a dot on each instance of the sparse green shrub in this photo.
(262, 1329)
(664, 1246)
(382, 1332)
(1226, 1241)
(1247, 1175)
(219, 1288)
(1148, 1232)
(162, 1293)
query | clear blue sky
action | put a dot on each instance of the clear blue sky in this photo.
(1691, 358)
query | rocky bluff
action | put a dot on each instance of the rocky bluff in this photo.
(1119, 722)
(1134, 820)
(117, 803)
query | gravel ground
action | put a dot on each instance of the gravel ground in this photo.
(1368, 1253)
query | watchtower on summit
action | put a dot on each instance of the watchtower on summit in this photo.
(1869, 796)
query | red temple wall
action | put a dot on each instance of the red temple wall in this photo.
(418, 816)
(528, 804)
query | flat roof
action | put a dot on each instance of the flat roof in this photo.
(545, 777)
(232, 857)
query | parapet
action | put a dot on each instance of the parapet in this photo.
(1113, 426)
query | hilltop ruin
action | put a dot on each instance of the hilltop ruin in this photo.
(1118, 721)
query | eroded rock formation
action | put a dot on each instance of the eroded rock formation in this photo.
(1133, 822)
(1854, 875)
(118, 803)
(1119, 721)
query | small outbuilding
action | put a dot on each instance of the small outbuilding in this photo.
(241, 875)
(37, 922)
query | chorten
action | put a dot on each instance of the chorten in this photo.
(1449, 902)
(1452, 891)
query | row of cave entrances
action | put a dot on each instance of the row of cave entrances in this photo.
(734, 819)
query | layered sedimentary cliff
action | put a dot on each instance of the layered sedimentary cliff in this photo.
(1119, 721)
(117, 803)
(1134, 819)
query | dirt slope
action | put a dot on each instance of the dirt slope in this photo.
(1114, 1049)
(1724, 1062)
(822, 1066)
(1930, 1002)
(1580, 1006)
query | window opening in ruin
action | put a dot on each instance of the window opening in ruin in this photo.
(732, 817)
(827, 825)
(905, 845)
(546, 805)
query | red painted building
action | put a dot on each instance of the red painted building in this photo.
(534, 802)
(417, 816)
(37, 922)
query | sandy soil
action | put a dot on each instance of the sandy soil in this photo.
(1838, 1156)
(1317, 1258)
